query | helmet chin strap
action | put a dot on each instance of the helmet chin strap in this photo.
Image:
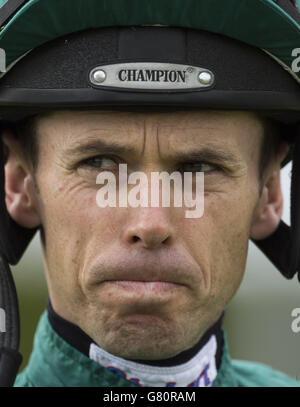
(295, 208)
(283, 247)
(10, 358)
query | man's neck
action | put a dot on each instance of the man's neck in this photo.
(194, 367)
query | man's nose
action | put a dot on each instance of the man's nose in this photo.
(149, 228)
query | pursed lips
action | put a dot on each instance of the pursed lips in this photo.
(145, 276)
(151, 274)
(162, 269)
(144, 286)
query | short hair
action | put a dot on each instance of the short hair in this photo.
(25, 132)
(271, 141)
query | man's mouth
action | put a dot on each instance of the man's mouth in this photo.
(162, 271)
(146, 286)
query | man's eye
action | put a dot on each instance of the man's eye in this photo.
(99, 162)
(201, 166)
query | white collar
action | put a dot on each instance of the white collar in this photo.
(199, 371)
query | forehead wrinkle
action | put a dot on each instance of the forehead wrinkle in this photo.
(74, 128)
(94, 133)
(144, 136)
(207, 149)
(97, 145)
(189, 132)
(193, 138)
(154, 135)
(118, 137)
(178, 133)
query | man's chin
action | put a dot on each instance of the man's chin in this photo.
(145, 337)
(142, 351)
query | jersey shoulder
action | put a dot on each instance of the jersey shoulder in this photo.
(22, 380)
(253, 374)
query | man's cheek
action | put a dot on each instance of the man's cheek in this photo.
(230, 266)
(229, 244)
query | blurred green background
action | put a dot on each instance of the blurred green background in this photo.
(257, 322)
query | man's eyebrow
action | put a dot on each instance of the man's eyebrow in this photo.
(209, 154)
(97, 147)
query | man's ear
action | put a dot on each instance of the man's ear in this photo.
(268, 211)
(20, 190)
(269, 208)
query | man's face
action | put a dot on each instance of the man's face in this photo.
(145, 282)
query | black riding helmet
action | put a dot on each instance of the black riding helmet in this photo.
(141, 55)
